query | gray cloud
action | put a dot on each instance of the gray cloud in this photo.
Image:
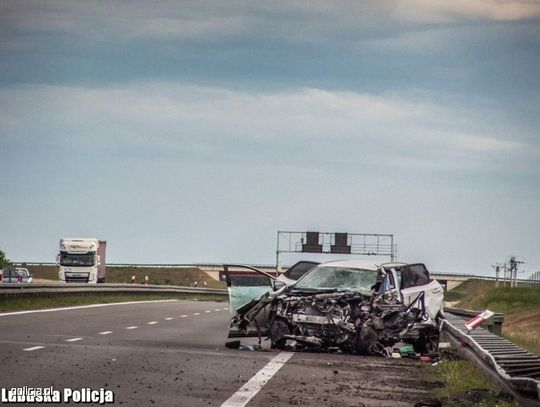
(173, 116)
(178, 123)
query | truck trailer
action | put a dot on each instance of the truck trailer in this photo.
(82, 260)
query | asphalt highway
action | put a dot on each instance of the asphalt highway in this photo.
(172, 354)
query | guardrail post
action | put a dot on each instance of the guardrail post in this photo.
(496, 327)
(132, 279)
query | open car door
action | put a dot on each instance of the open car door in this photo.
(246, 286)
(246, 283)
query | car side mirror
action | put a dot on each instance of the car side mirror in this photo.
(276, 285)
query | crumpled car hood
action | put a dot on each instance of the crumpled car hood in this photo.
(336, 320)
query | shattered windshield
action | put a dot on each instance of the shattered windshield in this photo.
(324, 277)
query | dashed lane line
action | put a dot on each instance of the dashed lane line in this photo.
(110, 332)
(207, 311)
(257, 382)
(33, 348)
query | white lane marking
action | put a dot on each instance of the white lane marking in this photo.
(217, 310)
(74, 339)
(183, 316)
(33, 348)
(225, 309)
(196, 313)
(5, 314)
(152, 322)
(207, 311)
(105, 333)
(257, 382)
(131, 327)
(168, 319)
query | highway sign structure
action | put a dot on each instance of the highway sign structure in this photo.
(366, 244)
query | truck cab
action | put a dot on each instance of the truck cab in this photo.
(82, 260)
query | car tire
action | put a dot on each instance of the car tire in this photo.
(428, 342)
(277, 330)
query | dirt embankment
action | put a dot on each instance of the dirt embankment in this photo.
(156, 275)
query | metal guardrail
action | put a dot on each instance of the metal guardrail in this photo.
(58, 289)
(515, 369)
(141, 265)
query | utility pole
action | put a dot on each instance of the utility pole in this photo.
(497, 267)
(513, 265)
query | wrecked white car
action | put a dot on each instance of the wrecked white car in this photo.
(352, 306)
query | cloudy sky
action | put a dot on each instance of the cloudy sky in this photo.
(193, 131)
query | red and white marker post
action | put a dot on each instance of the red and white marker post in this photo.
(132, 279)
(479, 319)
(145, 280)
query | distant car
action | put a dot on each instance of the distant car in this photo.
(353, 306)
(12, 275)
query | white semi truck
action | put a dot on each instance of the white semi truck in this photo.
(82, 260)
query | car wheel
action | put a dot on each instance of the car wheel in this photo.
(428, 342)
(278, 329)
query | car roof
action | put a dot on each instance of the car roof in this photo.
(394, 264)
(356, 264)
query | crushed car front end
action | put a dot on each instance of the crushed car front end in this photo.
(343, 307)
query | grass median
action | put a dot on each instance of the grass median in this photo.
(462, 384)
(36, 303)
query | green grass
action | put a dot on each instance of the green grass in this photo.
(454, 295)
(459, 377)
(34, 303)
(479, 294)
